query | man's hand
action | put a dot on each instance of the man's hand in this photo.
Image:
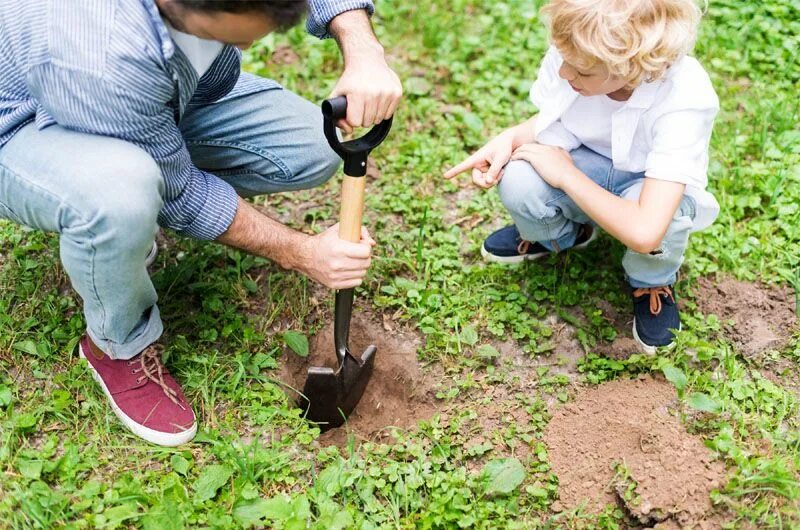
(487, 163)
(334, 262)
(373, 90)
(553, 164)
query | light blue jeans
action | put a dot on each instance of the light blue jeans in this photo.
(103, 195)
(549, 216)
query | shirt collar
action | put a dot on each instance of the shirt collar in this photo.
(644, 95)
(167, 46)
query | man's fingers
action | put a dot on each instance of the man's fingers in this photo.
(394, 101)
(384, 107)
(355, 110)
(347, 284)
(356, 250)
(344, 126)
(349, 267)
(371, 103)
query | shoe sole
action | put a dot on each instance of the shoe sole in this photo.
(648, 349)
(156, 437)
(513, 260)
(151, 256)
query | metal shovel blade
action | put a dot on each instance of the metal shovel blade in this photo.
(330, 396)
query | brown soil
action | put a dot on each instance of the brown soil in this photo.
(763, 317)
(400, 393)
(627, 423)
(624, 345)
(284, 55)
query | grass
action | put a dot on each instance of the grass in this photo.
(467, 65)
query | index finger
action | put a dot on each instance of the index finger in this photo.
(469, 163)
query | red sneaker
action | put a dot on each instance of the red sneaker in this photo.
(143, 395)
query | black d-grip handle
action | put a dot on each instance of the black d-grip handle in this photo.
(353, 152)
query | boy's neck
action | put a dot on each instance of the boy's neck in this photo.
(623, 94)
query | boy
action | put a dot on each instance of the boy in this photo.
(621, 141)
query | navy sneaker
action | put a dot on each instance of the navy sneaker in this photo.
(656, 317)
(507, 246)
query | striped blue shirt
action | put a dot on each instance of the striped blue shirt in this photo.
(109, 67)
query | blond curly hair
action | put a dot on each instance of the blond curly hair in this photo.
(637, 40)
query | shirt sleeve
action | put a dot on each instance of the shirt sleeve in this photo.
(321, 12)
(197, 203)
(679, 151)
(558, 135)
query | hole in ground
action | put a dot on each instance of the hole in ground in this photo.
(399, 394)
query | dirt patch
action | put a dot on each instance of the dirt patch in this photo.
(624, 345)
(284, 55)
(400, 393)
(618, 443)
(763, 317)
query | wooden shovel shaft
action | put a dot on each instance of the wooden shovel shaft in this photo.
(352, 208)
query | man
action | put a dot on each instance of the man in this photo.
(117, 116)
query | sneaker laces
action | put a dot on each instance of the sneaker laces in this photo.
(523, 246)
(655, 296)
(152, 369)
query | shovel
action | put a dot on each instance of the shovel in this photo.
(330, 395)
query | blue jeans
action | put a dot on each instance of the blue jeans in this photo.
(102, 195)
(549, 216)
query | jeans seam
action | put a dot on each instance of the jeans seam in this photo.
(287, 173)
(15, 218)
(610, 179)
(554, 199)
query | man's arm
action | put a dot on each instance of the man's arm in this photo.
(373, 90)
(334, 262)
(198, 203)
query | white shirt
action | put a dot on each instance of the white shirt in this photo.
(201, 52)
(589, 119)
(662, 130)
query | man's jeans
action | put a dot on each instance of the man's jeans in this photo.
(103, 195)
(546, 215)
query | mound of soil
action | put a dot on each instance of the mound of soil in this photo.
(618, 443)
(763, 317)
(399, 394)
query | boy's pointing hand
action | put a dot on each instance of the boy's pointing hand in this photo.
(487, 163)
(552, 163)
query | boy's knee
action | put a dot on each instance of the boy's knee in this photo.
(523, 191)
